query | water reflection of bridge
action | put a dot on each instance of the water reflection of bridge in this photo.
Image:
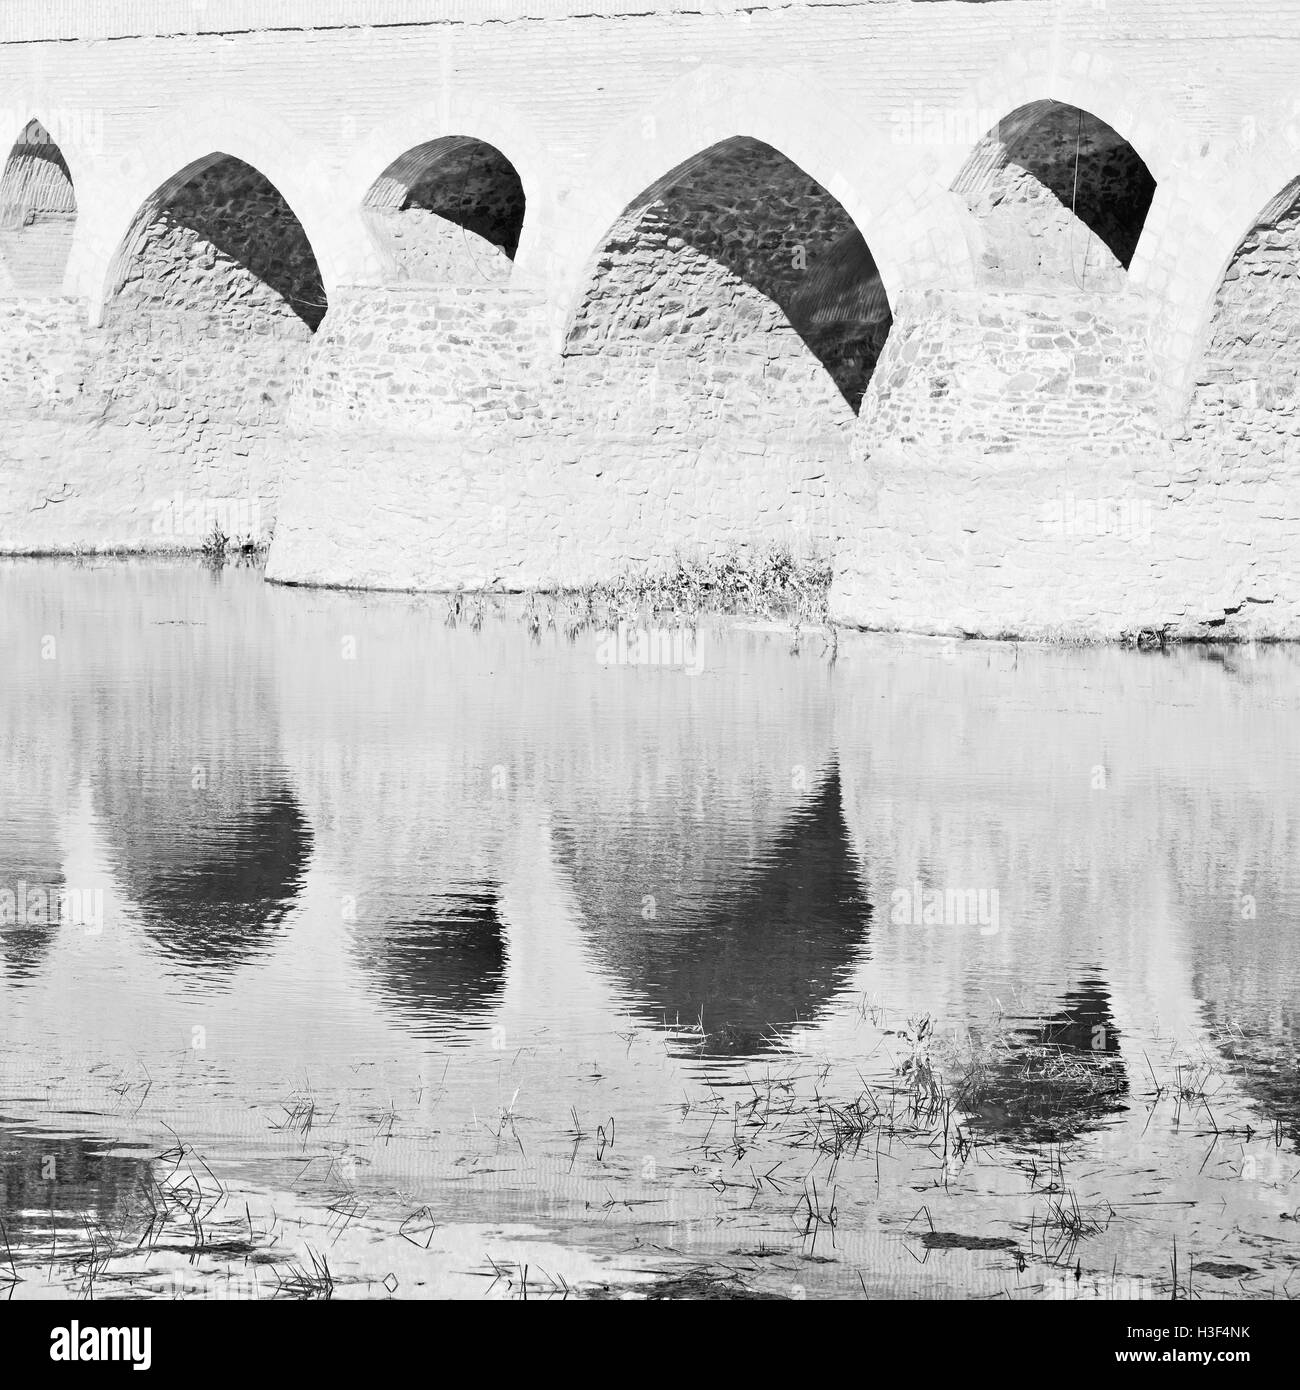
(464, 829)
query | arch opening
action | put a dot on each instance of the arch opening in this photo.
(450, 210)
(224, 900)
(747, 953)
(438, 960)
(1252, 343)
(38, 215)
(220, 241)
(1060, 198)
(740, 260)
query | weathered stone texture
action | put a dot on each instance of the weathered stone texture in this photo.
(38, 212)
(438, 419)
(188, 377)
(742, 252)
(1061, 200)
(224, 251)
(1246, 403)
(448, 212)
(1013, 476)
(684, 336)
(994, 373)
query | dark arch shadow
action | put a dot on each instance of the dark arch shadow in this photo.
(211, 894)
(770, 952)
(1054, 1078)
(68, 1183)
(464, 182)
(38, 212)
(221, 203)
(756, 216)
(31, 882)
(1245, 980)
(1086, 166)
(1264, 1062)
(434, 961)
(27, 935)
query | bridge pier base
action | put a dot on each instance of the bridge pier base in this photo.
(436, 442)
(1012, 477)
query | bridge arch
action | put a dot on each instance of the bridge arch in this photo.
(735, 247)
(457, 115)
(914, 227)
(38, 214)
(1060, 199)
(1247, 358)
(1126, 102)
(447, 210)
(212, 298)
(123, 190)
(218, 232)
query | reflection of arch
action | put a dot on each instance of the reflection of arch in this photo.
(433, 958)
(771, 945)
(1061, 198)
(30, 863)
(218, 235)
(448, 209)
(211, 890)
(1245, 959)
(730, 245)
(1056, 1077)
(38, 214)
(64, 1181)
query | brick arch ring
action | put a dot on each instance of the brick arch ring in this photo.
(146, 179)
(457, 115)
(911, 223)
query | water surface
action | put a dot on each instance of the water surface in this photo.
(428, 951)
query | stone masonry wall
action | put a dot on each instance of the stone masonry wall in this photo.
(534, 462)
(521, 512)
(689, 413)
(1246, 401)
(424, 360)
(1008, 371)
(1052, 501)
(181, 390)
(1009, 469)
(438, 418)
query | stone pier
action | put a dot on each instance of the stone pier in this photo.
(993, 305)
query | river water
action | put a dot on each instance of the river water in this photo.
(354, 948)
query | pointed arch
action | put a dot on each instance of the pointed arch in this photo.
(892, 188)
(1249, 344)
(186, 138)
(38, 214)
(447, 210)
(218, 235)
(738, 246)
(1059, 197)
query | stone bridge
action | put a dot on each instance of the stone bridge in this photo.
(996, 304)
